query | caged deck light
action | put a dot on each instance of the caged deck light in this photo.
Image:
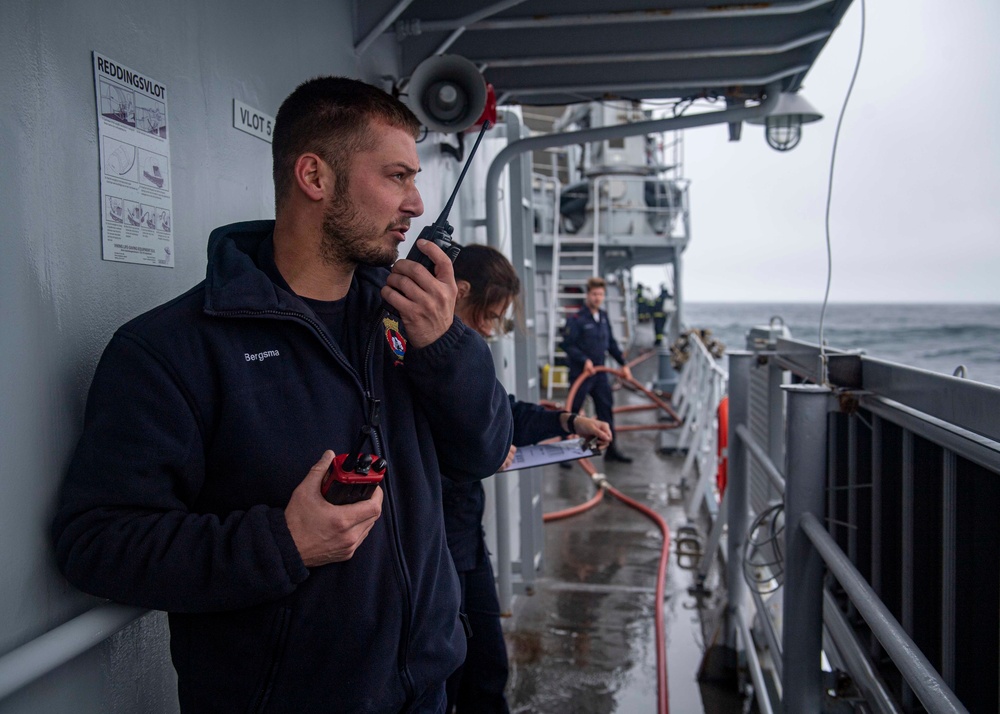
(783, 126)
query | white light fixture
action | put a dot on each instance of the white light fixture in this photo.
(783, 126)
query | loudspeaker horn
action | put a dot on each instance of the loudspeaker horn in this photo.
(447, 93)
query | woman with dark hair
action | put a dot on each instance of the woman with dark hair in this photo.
(487, 287)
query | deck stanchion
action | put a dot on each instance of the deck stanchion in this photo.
(505, 586)
(775, 414)
(721, 662)
(805, 473)
(737, 488)
(666, 375)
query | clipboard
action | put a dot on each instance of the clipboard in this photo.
(527, 457)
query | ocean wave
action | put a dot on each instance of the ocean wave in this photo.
(985, 353)
(933, 337)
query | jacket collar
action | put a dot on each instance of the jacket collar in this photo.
(241, 274)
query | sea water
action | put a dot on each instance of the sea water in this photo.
(936, 337)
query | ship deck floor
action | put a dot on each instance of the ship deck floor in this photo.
(584, 641)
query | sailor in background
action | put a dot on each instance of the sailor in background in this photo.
(643, 304)
(487, 286)
(663, 306)
(587, 339)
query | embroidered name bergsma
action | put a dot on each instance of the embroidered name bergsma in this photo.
(261, 356)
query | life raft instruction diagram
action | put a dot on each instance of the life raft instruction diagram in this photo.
(133, 135)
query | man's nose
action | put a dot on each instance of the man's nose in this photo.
(413, 205)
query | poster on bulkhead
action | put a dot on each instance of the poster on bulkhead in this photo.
(134, 140)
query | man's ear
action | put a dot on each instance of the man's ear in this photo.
(313, 176)
(464, 288)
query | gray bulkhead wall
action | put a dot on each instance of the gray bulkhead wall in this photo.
(61, 302)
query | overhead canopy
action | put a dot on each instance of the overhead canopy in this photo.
(543, 52)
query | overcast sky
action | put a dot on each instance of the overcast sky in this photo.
(915, 215)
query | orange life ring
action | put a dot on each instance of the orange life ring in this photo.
(723, 444)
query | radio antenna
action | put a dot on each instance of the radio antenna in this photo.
(442, 219)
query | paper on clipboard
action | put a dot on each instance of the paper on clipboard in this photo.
(527, 457)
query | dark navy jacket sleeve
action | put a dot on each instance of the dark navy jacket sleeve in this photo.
(133, 539)
(468, 408)
(613, 349)
(533, 423)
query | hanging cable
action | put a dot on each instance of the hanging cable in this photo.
(824, 371)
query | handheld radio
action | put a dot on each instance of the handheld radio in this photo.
(353, 476)
(439, 232)
(352, 480)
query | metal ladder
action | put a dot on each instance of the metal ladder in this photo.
(574, 260)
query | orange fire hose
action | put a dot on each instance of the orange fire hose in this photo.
(558, 515)
(653, 397)
(662, 691)
(662, 685)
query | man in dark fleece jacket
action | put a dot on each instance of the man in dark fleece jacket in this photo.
(213, 419)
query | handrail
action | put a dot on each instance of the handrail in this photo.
(610, 205)
(59, 645)
(770, 633)
(701, 387)
(706, 356)
(956, 425)
(974, 447)
(856, 661)
(753, 662)
(777, 478)
(928, 685)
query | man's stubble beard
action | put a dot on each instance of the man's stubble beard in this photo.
(349, 237)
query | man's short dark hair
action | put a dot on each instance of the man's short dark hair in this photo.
(331, 117)
(595, 282)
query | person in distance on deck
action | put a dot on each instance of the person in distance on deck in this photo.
(588, 338)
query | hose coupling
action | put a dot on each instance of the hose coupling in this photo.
(600, 480)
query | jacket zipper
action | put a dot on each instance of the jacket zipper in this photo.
(404, 653)
(365, 384)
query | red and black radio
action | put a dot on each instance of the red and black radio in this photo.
(352, 480)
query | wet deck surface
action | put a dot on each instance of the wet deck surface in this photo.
(584, 642)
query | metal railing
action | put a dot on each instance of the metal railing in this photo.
(45, 653)
(700, 388)
(621, 207)
(888, 495)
